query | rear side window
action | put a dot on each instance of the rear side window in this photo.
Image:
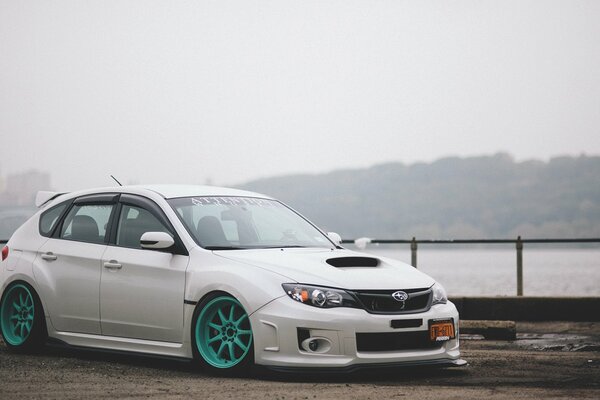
(87, 223)
(49, 219)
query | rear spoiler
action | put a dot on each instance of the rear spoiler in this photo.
(42, 197)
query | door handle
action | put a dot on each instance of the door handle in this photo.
(49, 256)
(112, 264)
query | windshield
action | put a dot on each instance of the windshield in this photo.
(227, 223)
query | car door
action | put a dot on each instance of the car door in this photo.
(142, 290)
(68, 265)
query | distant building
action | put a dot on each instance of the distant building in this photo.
(20, 189)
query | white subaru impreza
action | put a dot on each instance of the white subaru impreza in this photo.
(223, 276)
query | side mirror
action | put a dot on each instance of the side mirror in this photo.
(335, 238)
(156, 240)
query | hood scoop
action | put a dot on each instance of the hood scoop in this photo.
(345, 262)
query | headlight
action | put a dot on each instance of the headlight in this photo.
(439, 294)
(321, 297)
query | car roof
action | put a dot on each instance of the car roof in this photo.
(174, 191)
(47, 199)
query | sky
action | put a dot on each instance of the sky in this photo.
(224, 92)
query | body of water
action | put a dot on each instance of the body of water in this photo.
(493, 271)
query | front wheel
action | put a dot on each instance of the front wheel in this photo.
(22, 318)
(223, 335)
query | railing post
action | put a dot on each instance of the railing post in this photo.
(413, 252)
(519, 246)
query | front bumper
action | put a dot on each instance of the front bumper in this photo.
(276, 342)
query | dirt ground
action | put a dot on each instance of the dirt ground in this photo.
(547, 361)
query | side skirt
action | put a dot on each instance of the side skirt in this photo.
(119, 344)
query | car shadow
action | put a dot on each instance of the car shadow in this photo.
(112, 356)
(371, 375)
(385, 375)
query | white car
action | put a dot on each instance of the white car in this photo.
(222, 276)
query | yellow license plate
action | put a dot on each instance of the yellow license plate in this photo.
(441, 331)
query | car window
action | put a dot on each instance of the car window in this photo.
(229, 226)
(87, 223)
(49, 219)
(244, 222)
(133, 223)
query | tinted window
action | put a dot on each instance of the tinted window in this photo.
(87, 223)
(133, 223)
(49, 219)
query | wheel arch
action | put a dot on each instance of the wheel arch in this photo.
(22, 278)
(213, 293)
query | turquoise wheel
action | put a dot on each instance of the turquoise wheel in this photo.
(223, 333)
(20, 317)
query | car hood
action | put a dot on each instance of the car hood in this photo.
(310, 266)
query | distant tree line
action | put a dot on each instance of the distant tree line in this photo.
(475, 197)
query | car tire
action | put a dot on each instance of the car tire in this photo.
(22, 321)
(222, 337)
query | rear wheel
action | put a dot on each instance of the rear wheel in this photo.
(22, 318)
(223, 335)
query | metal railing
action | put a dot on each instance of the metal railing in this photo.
(518, 242)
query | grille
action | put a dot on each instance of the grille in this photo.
(395, 341)
(382, 302)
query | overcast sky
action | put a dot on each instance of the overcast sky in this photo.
(229, 91)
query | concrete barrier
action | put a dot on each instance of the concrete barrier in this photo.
(493, 330)
(528, 308)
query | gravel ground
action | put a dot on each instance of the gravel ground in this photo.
(549, 361)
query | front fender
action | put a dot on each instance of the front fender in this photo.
(253, 287)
